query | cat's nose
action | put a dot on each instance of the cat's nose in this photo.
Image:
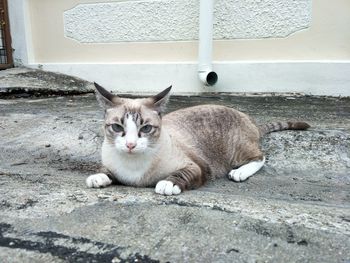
(131, 145)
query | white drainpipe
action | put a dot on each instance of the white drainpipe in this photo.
(205, 68)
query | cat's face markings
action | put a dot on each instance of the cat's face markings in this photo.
(132, 130)
(132, 125)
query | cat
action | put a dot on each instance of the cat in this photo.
(178, 151)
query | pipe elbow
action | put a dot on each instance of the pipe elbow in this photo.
(208, 77)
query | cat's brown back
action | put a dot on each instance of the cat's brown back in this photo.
(216, 133)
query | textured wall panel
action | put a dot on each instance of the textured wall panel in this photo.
(173, 20)
(260, 18)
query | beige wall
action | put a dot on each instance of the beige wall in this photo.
(328, 38)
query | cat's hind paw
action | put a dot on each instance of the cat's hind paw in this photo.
(245, 171)
(166, 187)
(98, 180)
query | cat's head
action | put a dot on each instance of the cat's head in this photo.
(132, 126)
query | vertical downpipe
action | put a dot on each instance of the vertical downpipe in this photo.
(205, 48)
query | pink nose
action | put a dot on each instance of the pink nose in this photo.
(130, 145)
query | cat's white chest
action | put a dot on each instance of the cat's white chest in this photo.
(127, 169)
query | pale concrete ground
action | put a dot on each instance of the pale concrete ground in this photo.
(296, 209)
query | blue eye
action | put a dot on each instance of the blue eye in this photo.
(146, 129)
(117, 127)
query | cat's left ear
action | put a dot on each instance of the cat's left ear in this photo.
(160, 100)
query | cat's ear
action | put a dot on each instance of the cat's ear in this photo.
(105, 98)
(160, 100)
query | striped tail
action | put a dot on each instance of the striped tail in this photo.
(280, 126)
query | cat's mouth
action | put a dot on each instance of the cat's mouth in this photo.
(132, 152)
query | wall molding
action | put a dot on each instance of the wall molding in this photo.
(331, 78)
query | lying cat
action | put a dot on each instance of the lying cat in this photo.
(180, 150)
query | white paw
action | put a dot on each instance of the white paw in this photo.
(245, 171)
(165, 187)
(238, 175)
(98, 180)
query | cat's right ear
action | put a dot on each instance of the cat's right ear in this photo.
(105, 98)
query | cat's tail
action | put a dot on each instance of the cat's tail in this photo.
(280, 126)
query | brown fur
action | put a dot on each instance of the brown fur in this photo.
(220, 138)
(280, 126)
(192, 145)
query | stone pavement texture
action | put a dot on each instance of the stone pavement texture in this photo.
(296, 209)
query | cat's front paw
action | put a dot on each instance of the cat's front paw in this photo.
(98, 180)
(166, 187)
(238, 175)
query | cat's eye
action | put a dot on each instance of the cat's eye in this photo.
(146, 129)
(117, 127)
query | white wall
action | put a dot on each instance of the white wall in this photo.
(144, 46)
(20, 26)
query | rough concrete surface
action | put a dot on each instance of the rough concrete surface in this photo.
(24, 82)
(296, 209)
